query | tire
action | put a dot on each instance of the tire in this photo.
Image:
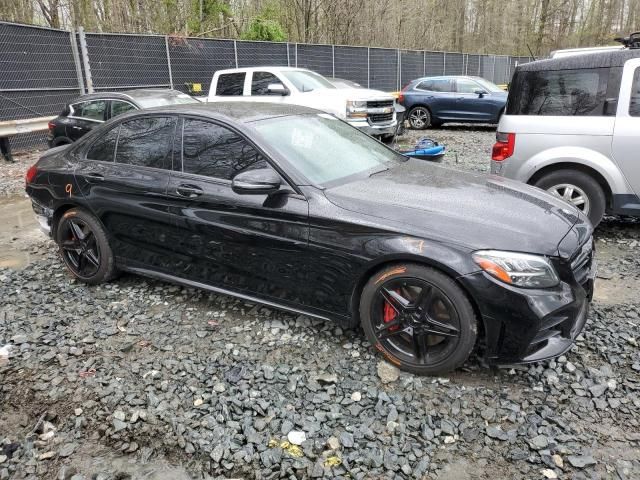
(401, 302)
(570, 185)
(419, 118)
(84, 247)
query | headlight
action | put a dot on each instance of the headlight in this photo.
(356, 109)
(518, 269)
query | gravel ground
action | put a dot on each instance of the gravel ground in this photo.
(143, 379)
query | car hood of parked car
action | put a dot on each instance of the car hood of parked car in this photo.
(472, 211)
(351, 93)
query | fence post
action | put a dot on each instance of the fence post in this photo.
(296, 54)
(85, 59)
(333, 61)
(493, 74)
(166, 44)
(288, 58)
(444, 63)
(424, 63)
(235, 52)
(76, 60)
(399, 75)
(466, 64)
(368, 67)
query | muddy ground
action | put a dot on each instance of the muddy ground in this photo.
(142, 379)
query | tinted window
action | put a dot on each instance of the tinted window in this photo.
(215, 151)
(562, 92)
(230, 84)
(261, 80)
(306, 81)
(441, 85)
(467, 86)
(146, 142)
(118, 107)
(91, 110)
(104, 148)
(634, 104)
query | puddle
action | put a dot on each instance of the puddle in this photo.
(18, 228)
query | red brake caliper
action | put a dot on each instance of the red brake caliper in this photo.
(389, 314)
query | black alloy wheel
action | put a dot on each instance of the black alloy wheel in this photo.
(84, 247)
(419, 319)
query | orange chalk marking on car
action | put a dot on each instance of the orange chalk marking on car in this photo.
(68, 188)
(391, 272)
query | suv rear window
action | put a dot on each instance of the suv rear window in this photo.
(230, 84)
(570, 93)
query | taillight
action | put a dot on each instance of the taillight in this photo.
(504, 146)
(51, 126)
(31, 174)
(401, 94)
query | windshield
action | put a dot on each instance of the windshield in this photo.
(168, 100)
(490, 87)
(307, 81)
(324, 149)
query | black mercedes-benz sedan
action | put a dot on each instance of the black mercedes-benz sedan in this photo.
(89, 111)
(293, 208)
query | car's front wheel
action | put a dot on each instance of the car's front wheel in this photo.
(84, 247)
(418, 318)
(577, 188)
(419, 118)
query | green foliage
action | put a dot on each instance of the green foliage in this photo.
(212, 11)
(262, 28)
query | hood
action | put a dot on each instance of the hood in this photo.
(472, 211)
(350, 94)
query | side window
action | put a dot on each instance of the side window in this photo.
(230, 84)
(634, 103)
(93, 110)
(104, 148)
(146, 142)
(580, 92)
(215, 151)
(467, 86)
(261, 80)
(118, 107)
(439, 85)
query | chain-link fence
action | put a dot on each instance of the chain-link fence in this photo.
(43, 69)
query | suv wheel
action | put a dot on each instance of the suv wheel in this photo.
(419, 118)
(577, 188)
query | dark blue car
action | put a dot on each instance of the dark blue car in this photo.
(432, 101)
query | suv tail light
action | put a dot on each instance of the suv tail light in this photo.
(31, 174)
(503, 148)
(401, 94)
(51, 126)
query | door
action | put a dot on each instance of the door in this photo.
(438, 94)
(85, 116)
(471, 106)
(124, 180)
(252, 244)
(626, 134)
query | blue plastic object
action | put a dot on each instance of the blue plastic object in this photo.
(426, 149)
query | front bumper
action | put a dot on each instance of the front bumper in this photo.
(526, 325)
(375, 129)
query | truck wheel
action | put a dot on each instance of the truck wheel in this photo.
(419, 118)
(577, 188)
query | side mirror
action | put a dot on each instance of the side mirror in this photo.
(277, 89)
(480, 93)
(261, 181)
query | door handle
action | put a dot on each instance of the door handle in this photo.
(189, 191)
(76, 128)
(95, 177)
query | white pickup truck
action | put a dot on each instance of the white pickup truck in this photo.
(371, 111)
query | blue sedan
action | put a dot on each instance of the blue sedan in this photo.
(432, 101)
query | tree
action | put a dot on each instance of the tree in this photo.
(264, 29)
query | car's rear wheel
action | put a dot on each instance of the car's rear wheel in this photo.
(84, 247)
(577, 188)
(418, 318)
(419, 118)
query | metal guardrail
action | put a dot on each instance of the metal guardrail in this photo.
(26, 125)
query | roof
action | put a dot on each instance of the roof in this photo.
(138, 94)
(265, 68)
(604, 59)
(242, 112)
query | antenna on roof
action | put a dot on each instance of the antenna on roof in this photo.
(632, 41)
(531, 53)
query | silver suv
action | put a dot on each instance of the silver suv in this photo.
(572, 127)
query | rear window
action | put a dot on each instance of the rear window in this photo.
(559, 92)
(634, 103)
(230, 84)
(439, 85)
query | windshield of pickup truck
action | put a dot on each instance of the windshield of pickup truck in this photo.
(325, 150)
(307, 81)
